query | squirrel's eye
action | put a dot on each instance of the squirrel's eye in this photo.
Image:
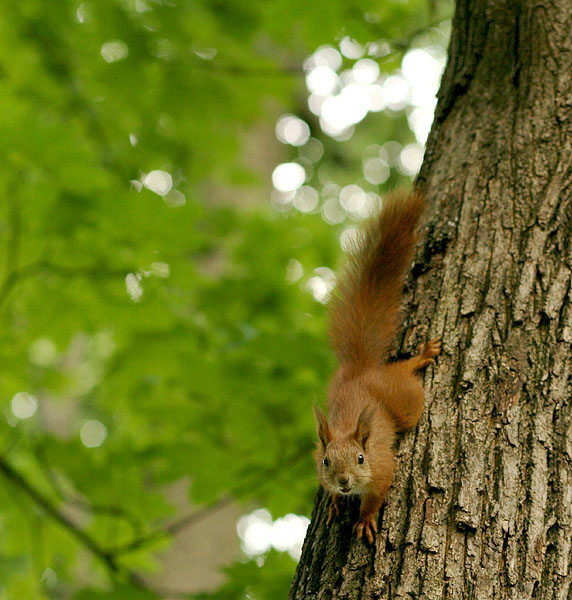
(326, 462)
(360, 459)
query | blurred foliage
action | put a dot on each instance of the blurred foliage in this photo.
(211, 373)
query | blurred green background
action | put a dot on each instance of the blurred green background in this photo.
(179, 179)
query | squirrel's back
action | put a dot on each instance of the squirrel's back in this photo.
(364, 312)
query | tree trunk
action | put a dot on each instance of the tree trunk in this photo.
(481, 505)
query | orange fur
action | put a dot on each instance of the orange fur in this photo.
(365, 306)
(370, 400)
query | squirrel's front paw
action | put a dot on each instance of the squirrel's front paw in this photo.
(366, 526)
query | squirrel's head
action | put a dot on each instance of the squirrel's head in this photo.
(342, 461)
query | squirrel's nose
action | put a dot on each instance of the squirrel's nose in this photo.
(343, 479)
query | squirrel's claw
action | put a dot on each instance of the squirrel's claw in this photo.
(367, 526)
(430, 348)
(427, 351)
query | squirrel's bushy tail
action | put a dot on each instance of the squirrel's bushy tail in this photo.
(365, 306)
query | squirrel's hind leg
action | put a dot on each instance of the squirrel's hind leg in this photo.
(401, 389)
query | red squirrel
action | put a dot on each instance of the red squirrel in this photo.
(369, 399)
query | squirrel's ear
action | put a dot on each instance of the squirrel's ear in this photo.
(363, 428)
(322, 426)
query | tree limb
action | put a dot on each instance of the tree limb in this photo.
(108, 558)
(84, 505)
(178, 525)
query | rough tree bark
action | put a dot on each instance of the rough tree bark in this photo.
(481, 506)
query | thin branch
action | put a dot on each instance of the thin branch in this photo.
(260, 479)
(38, 497)
(402, 43)
(173, 527)
(55, 54)
(101, 509)
(105, 556)
(31, 270)
(399, 45)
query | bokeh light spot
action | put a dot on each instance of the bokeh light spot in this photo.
(332, 212)
(322, 81)
(81, 13)
(160, 269)
(410, 159)
(422, 70)
(292, 130)
(288, 177)
(114, 51)
(353, 199)
(350, 48)
(133, 286)
(325, 56)
(24, 405)
(376, 170)
(175, 198)
(206, 53)
(306, 199)
(396, 92)
(255, 532)
(92, 434)
(376, 98)
(159, 182)
(294, 271)
(347, 108)
(365, 71)
(321, 284)
(288, 534)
